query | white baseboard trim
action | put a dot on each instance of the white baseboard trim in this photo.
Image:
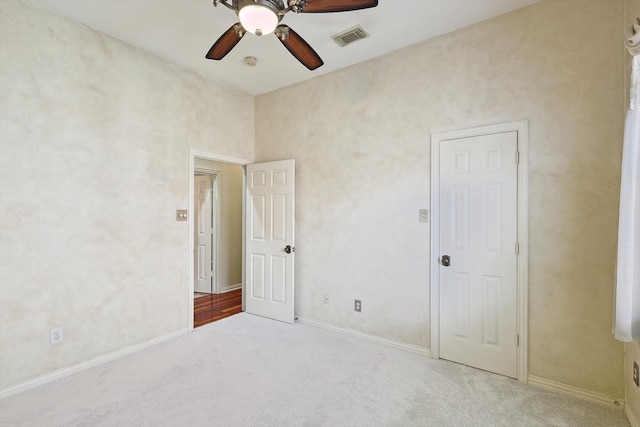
(230, 288)
(65, 372)
(576, 392)
(351, 332)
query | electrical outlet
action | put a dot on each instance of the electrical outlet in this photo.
(424, 215)
(326, 298)
(57, 335)
(636, 374)
(357, 305)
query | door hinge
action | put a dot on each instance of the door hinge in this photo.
(517, 340)
(517, 157)
(517, 248)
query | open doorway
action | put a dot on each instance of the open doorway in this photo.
(267, 219)
(217, 240)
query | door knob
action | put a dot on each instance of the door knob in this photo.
(445, 261)
(288, 249)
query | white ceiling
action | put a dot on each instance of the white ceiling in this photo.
(182, 31)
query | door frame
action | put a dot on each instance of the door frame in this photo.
(197, 154)
(522, 128)
(216, 197)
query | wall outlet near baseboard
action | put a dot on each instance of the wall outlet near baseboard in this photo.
(636, 374)
(357, 305)
(424, 215)
(57, 335)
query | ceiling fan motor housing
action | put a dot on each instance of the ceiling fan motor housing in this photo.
(274, 6)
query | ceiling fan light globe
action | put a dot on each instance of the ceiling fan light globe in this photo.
(258, 19)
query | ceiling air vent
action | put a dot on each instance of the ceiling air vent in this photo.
(351, 35)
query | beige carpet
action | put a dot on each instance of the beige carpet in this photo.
(250, 371)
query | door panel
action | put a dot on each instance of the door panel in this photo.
(256, 280)
(279, 279)
(478, 230)
(270, 208)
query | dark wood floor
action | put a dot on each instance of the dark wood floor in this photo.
(210, 308)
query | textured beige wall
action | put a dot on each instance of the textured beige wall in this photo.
(94, 162)
(360, 137)
(631, 350)
(94, 138)
(230, 222)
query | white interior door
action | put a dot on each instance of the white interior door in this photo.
(202, 262)
(269, 234)
(478, 232)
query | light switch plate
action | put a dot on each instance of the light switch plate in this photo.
(181, 215)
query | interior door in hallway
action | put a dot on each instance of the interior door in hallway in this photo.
(478, 246)
(269, 237)
(203, 260)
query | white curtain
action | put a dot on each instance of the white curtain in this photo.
(627, 298)
(633, 45)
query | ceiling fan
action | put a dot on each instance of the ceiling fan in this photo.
(261, 17)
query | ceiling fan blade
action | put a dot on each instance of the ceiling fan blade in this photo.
(225, 43)
(299, 48)
(324, 6)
